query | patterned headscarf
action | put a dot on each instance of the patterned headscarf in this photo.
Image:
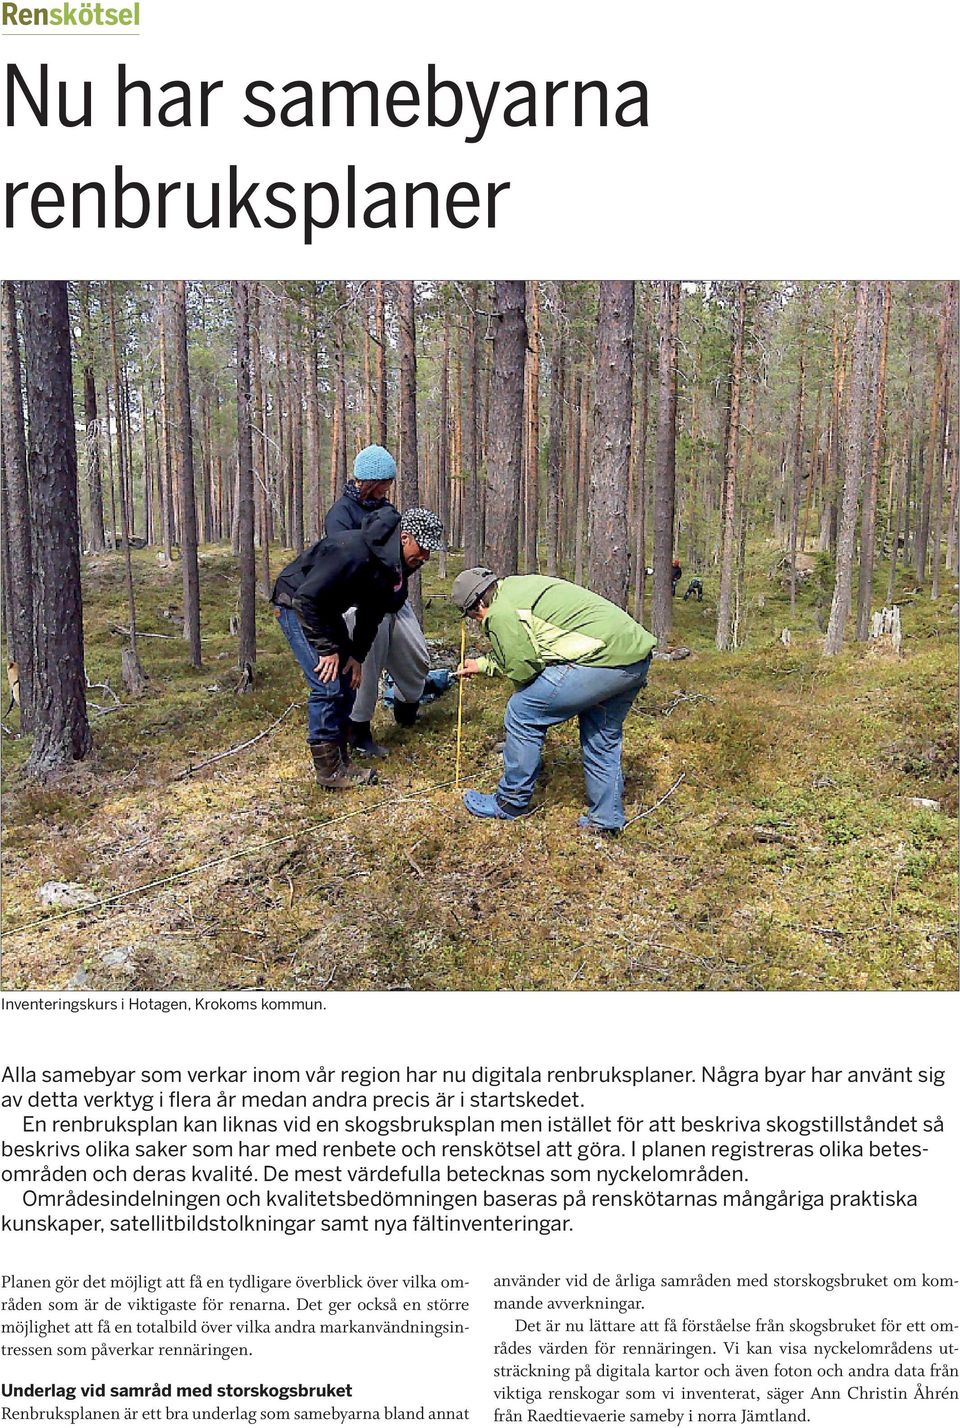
(424, 526)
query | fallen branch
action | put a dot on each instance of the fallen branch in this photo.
(686, 699)
(237, 748)
(99, 709)
(141, 634)
(647, 811)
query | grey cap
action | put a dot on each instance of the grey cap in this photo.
(424, 526)
(470, 585)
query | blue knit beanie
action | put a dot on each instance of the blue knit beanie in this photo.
(374, 463)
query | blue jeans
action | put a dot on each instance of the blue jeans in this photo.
(601, 699)
(328, 705)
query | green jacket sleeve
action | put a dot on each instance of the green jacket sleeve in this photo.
(512, 651)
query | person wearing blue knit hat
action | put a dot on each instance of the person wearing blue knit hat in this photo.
(399, 646)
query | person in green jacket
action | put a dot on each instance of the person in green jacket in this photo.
(569, 652)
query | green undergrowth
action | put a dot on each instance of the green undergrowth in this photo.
(792, 853)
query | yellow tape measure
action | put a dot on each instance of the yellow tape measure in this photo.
(462, 681)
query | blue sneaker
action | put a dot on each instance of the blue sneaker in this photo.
(485, 805)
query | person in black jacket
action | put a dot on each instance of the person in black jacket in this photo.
(398, 645)
(365, 570)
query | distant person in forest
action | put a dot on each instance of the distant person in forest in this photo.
(676, 570)
(364, 571)
(570, 653)
(694, 588)
(398, 646)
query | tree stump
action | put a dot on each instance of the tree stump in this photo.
(132, 672)
(886, 634)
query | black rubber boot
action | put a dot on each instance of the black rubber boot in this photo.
(404, 713)
(331, 770)
(361, 740)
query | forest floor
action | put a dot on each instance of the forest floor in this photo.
(793, 854)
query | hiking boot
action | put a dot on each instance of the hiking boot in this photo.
(331, 770)
(361, 740)
(405, 712)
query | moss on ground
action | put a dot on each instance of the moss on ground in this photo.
(793, 855)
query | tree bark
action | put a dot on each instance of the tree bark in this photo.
(443, 445)
(796, 485)
(505, 440)
(868, 525)
(729, 540)
(18, 588)
(18, 579)
(166, 408)
(531, 512)
(666, 469)
(640, 472)
(933, 440)
(188, 505)
(608, 543)
(471, 474)
(340, 446)
(247, 653)
(409, 441)
(852, 479)
(382, 393)
(98, 540)
(134, 675)
(60, 724)
(555, 452)
(259, 419)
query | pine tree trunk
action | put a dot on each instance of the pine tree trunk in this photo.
(666, 469)
(148, 506)
(729, 539)
(60, 725)
(583, 480)
(247, 653)
(937, 518)
(640, 472)
(796, 485)
(340, 449)
(443, 446)
(259, 419)
(852, 479)
(555, 454)
(313, 521)
(868, 525)
(506, 428)
(188, 506)
(98, 541)
(743, 520)
(933, 440)
(166, 408)
(382, 393)
(134, 676)
(471, 474)
(19, 592)
(608, 543)
(409, 441)
(531, 510)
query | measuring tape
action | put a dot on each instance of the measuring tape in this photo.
(462, 681)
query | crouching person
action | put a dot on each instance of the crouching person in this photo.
(365, 570)
(571, 654)
(398, 646)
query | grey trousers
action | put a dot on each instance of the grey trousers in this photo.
(399, 648)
